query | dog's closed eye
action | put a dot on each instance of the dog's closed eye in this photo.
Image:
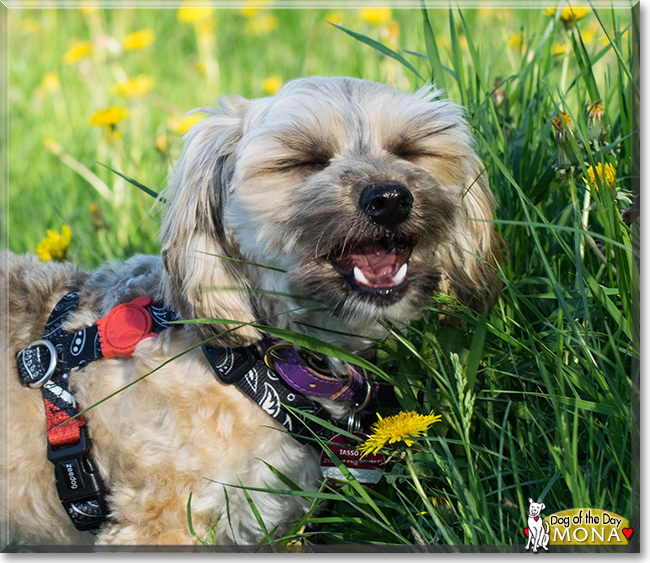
(412, 153)
(418, 143)
(310, 163)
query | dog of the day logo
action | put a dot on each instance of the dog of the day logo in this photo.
(588, 526)
(578, 526)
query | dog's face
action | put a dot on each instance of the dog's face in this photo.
(535, 508)
(358, 193)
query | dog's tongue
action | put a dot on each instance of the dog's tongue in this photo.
(374, 266)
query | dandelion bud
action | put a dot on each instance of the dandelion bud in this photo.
(566, 157)
(96, 215)
(499, 94)
(630, 215)
(595, 119)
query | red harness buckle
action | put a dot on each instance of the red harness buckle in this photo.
(125, 326)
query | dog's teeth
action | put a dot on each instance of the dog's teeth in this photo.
(400, 276)
(390, 249)
(359, 277)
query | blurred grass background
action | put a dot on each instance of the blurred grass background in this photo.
(52, 97)
(536, 397)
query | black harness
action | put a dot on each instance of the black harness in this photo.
(47, 363)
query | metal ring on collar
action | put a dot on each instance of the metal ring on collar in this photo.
(368, 393)
(354, 422)
(272, 351)
(50, 370)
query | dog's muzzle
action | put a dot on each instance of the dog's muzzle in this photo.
(387, 204)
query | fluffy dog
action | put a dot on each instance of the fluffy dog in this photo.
(363, 199)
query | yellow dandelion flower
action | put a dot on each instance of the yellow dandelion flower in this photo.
(134, 87)
(587, 36)
(397, 428)
(77, 51)
(484, 13)
(51, 81)
(29, 26)
(88, 7)
(193, 11)
(182, 125)
(54, 246)
(261, 25)
(569, 15)
(333, 17)
(516, 40)
(558, 49)
(162, 143)
(272, 84)
(108, 117)
(609, 179)
(138, 40)
(51, 145)
(250, 9)
(392, 30)
(376, 16)
(441, 504)
(205, 28)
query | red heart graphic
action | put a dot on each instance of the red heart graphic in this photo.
(536, 518)
(627, 532)
(526, 531)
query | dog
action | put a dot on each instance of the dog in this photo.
(326, 209)
(537, 535)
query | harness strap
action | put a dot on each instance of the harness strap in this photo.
(245, 368)
(272, 381)
(282, 377)
(47, 363)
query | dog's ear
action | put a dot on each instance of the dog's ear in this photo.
(542, 506)
(530, 501)
(198, 283)
(474, 251)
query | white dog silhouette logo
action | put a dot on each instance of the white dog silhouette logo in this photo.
(537, 535)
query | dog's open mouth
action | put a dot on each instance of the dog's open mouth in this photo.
(376, 266)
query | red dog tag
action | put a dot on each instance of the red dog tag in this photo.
(124, 327)
(367, 471)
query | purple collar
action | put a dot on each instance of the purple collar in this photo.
(308, 380)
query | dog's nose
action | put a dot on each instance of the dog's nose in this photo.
(386, 204)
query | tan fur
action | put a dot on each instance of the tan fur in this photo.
(275, 182)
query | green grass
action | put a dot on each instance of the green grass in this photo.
(536, 396)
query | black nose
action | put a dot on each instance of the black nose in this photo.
(386, 204)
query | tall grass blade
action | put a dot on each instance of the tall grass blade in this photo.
(437, 73)
(137, 184)
(379, 47)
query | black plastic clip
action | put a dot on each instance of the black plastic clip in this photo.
(79, 484)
